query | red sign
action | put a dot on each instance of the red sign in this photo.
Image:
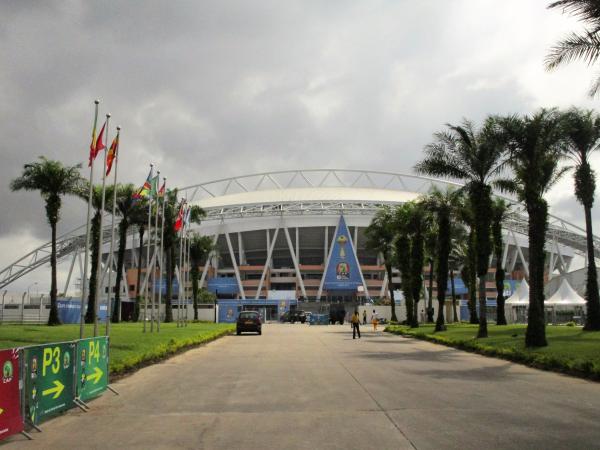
(11, 421)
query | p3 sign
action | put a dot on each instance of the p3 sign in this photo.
(48, 375)
(92, 367)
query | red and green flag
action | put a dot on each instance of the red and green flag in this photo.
(179, 221)
(112, 153)
(97, 143)
(162, 190)
(144, 191)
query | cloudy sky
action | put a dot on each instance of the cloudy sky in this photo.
(218, 88)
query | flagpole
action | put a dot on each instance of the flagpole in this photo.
(160, 273)
(99, 260)
(179, 296)
(188, 276)
(87, 229)
(148, 252)
(112, 232)
(155, 240)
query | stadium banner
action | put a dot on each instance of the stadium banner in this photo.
(223, 285)
(92, 367)
(229, 310)
(69, 311)
(49, 372)
(343, 271)
(11, 421)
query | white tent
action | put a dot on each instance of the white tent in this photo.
(520, 296)
(565, 296)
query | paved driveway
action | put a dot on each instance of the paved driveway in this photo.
(302, 387)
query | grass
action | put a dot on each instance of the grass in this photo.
(130, 348)
(570, 349)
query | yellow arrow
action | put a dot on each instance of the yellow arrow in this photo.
(1, 410)
(96, 376)
(56, 390)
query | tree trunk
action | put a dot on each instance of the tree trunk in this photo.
(169, 296)
(535, 335)
(500, 315)
(195, 272)
(90, 314)
(53, 318)
(123, 225)
(454, 311)
(388, 268)
(430, 300)
(138, 297)
(443, 252)
(592, 322)
(482, 332)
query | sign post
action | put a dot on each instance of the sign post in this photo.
(11, 421)
(92, 367)
(48, 373)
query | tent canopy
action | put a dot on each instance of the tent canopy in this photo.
(565, 296)
(520, 296)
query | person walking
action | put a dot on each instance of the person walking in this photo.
(374, 320)
(364, 316)
(355, 324)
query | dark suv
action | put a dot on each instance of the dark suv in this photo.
(248, 321)
(293, 316)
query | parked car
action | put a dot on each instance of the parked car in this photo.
(248, 321)
(293, 316)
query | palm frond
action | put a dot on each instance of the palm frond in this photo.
(585, 47)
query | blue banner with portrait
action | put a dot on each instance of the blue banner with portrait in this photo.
(223, 285)
(343, 270)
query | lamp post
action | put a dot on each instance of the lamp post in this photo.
(28, 299)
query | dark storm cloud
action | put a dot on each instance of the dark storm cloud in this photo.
(211, 89)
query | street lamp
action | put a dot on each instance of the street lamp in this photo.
(28, 287)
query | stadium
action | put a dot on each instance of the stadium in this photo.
(296, 239)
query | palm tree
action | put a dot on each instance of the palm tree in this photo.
(418, 225)
(468, 272)
(125, 209)
(53, 180)
(535, 145)
(582, 130)
(583, 46)
(200, 247)
(90, 314)
(499, 210)
(430, 242)
(139, 217)
(457, 259)
(402, 221)
(442, 204)
(475, 157)
(380, 238)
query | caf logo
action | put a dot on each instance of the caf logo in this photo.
(7, 372)
(66, 360)
(342, 271)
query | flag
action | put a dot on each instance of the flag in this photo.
(112, 153)
(188, 213)
(179, 221)
(154, 187)
(163, 188)
(144, 191)
(97, 144)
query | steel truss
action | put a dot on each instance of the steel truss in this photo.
(559, 230)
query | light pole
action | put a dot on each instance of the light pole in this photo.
(28, 299)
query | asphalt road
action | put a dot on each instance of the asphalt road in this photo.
(302, 387)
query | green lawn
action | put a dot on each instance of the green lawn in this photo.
(129, 346)
(569, 349)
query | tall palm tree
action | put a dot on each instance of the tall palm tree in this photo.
(380, 238)
(535, 144)
(430, 243)
(418, 225)
(53, 180)
(582, 130)
(90, 313)
(584, 46)
(458, 254)
(468, 271)
(499, 210)
(125, 209)
(200, 247)
(475, 157)
(402, 222)
(442, 204)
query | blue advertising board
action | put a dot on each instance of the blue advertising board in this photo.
(343, 271)
(162, 286)
(224, 285)
(228, 311)
(69, 311)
